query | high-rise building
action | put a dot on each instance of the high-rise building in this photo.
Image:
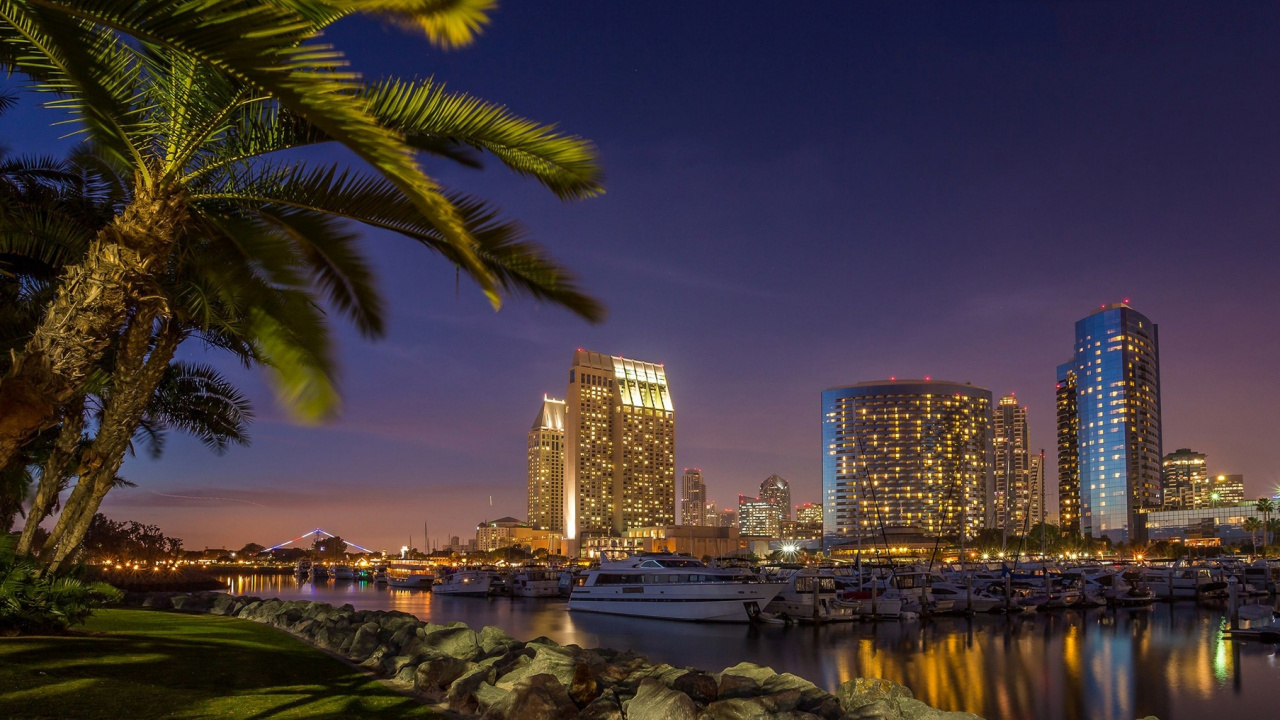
(1184, 478)
(546, 467)
(906, 454)
(777, 490)
(1114, 379)
(693, 499)
(620, 442)
(758, 517)
(806, 526)
(1068, 452)
(1037, 509)
(1226, 490)
(1016, 507)
(809, 512)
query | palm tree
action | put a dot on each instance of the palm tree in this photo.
(1265, 507)
(1252, 525)
(191, 96)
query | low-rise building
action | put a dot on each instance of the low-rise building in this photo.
(1223, 524)
(683, 539)
(510, 532)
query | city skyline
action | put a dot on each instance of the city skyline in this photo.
(973, 147)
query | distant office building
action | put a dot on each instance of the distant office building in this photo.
(620, 429)
(1184, 478)
(546, 467)
(1068, 451)
(809, 512)
(1198, 526)
(1116, 376)
(1226, 489)
(776, 490)
(911, 454)
(693, 499)
(1016, 507)
(758, 517)
(510, 532)
(1038, 510)
(716, 517)
(806, 526)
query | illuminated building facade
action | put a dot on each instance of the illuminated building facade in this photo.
(510, 532)
(806, 526)
(777, 490)
(546, 467)
(758, 517)
(911, 454)
(1117, 432)
(1184, 479)
(1037, 510)
(693, 499)
(1226, 490)
(620, 432)
(1068, 451)
(1015, 505)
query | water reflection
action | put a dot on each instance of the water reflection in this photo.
(1167, 661)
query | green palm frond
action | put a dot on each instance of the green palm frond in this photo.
(201, 402)
(301, 372)
(447, 23)
(425, 111)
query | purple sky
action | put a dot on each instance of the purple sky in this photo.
(838, 193)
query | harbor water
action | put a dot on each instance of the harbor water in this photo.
(1170, 660)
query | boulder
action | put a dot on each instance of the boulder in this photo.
(537, 697)
(583, 687)
(860, 692)
(494, 639)
(736, 686)
(812, 698)
(605, 707)
(699, 686)
(882, 709)
(763, 707)
(655, 701)
(364, 643)
(555, 661)
(460, 642)
(462, 694)
(759, 673)
(434, 675)
(223, 604)
(912, 709)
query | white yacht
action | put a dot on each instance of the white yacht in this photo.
(343, 573)
(671, 587)
(380, 576)
(409, 576)
(533, 582)
(478, 583)
(798, 602)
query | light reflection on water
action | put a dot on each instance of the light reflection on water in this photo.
(1168, 661)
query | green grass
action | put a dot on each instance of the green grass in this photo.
(146, 664)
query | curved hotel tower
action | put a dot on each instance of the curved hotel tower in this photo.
(905, 454)
(546, 467)
(1109, 448)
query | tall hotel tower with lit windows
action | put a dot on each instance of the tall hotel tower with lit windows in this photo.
(546, 467)
(1109, 423)
(1018, 496)
(620, 443)
(693, 499)
(905, 454)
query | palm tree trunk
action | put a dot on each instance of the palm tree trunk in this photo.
(135, 381)
(91, 306)
(54, 474)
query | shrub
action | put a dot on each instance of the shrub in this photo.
(33, 600)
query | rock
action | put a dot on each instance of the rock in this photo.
(364, 643)
(699, 686)
(460, 642)
(583, 687)
(462, 694)
(494, 639)
(655, 701)
(435, 674)
(737, 686)
(763, 707)
(182, 602)
(537, 697)
(881, 709)
(487, 696)
(605, 707)
(912, 709)
(812, 698)
(555, 661)
(759, 673)
(860, 692)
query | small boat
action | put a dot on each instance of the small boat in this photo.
(671, 587)
(303, 568)
(380, 576)
(798, 602)
(319, 572)
(965, 599)
(535, 583)
(409, 576)
(472, 583)
(343, 573)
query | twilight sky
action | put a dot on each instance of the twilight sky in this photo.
(837, 193)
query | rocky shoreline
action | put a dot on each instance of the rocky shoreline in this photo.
(488, 674)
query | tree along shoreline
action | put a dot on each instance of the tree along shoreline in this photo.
(487, 673)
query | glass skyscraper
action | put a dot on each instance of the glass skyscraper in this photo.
(1112, 383)
(906, 454)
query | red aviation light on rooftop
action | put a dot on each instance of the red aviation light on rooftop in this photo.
(1126, 301)
(927, 378)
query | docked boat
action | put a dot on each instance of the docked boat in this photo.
(343, 573)
(1184, 583)
(671, 587)
(303, 568)
(380, 576)
(474, 583)
(409, 577)
(534, 583)
(798, 601)
(319, 573)
(965, 598)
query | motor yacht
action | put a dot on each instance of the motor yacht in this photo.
(671, 587)
(408, 576)
(343, 573)
(797, 600)
(475, 583)
(534, 582)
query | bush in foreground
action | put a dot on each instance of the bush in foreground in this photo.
(34, 601)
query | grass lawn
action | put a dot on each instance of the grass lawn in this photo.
(148, 664)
